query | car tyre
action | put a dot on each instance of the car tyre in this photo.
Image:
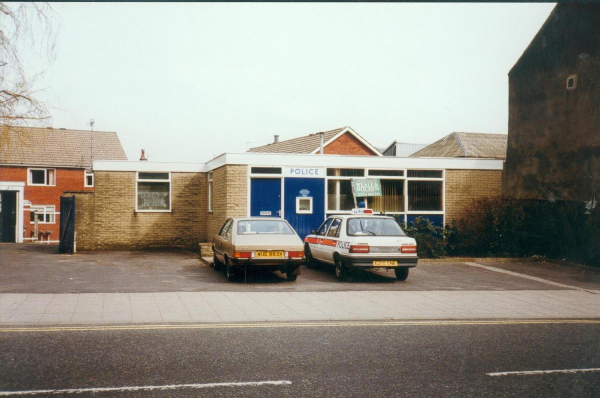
(401, 273)
(310, 260)
(341, 271)
(230, 271)
(217, 265)
(290, 277)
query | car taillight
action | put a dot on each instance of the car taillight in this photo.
(295, 254)
(408, 249)
(242, 254)
(359, 249)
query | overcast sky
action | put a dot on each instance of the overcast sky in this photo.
(190, 81)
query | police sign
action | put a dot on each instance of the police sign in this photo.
(366, 187)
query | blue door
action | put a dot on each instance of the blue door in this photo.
(265, 197)
(304, 203)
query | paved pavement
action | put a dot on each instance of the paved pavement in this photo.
(35, 289)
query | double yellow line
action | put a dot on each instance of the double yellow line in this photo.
(272, 325)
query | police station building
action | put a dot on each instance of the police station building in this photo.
(304, 180)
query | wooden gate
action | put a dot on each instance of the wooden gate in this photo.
(67, 224)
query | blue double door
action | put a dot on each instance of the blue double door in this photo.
(265, 201)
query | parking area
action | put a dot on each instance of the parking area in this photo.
(40, 269)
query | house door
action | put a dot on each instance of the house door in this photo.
(304, 203)
(8, 216)
(265, 197)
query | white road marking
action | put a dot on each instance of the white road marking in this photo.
(542, 372)
(533, 278)
(148, 388)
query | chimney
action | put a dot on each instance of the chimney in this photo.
(276, 140)
(143, 157)
(321, 134)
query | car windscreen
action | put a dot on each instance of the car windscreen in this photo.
(263, 227)
(373, 227)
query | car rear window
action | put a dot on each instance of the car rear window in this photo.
(373, 227)
(264, 227)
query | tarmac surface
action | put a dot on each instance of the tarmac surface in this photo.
(40, 287)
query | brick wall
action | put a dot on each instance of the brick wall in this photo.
(114, 223)
(462, 186)
(66, 180)
(347, 144)
(230, 196)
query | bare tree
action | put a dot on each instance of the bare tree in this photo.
(27, 47)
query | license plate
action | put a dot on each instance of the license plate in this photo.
(385, 263)
(269, 254)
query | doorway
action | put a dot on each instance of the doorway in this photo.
(8, 216)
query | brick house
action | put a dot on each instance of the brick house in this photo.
(36, 166)
(143, 204)
(554, 118)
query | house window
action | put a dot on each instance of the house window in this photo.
(42, 177)
(391, 199)
(88, 179)
(265, 170)
(425, 174)
(572, 82)
(389, 173)
(346, 172)
(339, 195)
(153, 192)
(304, 205)
(210, 190)
(425, 195)
(43, 214)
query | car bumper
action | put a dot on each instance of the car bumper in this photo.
(367, 261)
(283, 265)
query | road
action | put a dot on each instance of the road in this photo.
(313, 360)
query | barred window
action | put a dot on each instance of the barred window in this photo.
(154, 192)
(425, 195)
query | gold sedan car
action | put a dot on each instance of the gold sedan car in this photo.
(258, 243)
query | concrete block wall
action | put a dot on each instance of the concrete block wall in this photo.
(462, 186)
(117, 225)
(230, 196)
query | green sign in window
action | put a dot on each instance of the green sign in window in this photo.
(366, 187)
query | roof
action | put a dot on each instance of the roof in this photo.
(402, 149)
(310, 143)
(469, 145)
(34, 146)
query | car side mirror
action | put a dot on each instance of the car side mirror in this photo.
(313, 232)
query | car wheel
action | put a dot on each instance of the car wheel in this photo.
(217, 265)
(310, 260)
(401, 273)
(230, 271)
(341, 272)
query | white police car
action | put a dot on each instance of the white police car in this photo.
(362, 240)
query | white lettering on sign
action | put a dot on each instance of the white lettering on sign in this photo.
(304, 172)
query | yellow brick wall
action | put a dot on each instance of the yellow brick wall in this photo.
(230, 197)
(116, 224)
(462, 186)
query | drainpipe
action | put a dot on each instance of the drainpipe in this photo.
(321, 142)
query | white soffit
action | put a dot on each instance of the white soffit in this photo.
(149, 166)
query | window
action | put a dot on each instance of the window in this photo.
(425, 195)
(389, 173)
(339, 195)
(425, 173)
(88, 179)
(392, 199)
(264, 227)
(42, 177)
(323, 228)
(225, 227)
(373, 227)
(304, 205)
(153, 192)
(572, 82)
(334, 230)
(43, 214)
(346, 172)
(265, 170)
(210, 190)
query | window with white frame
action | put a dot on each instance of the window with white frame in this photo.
(304, 205)
(210, 190)
(44, 214)
(153, 192)
(41, 177)
(88, 179)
